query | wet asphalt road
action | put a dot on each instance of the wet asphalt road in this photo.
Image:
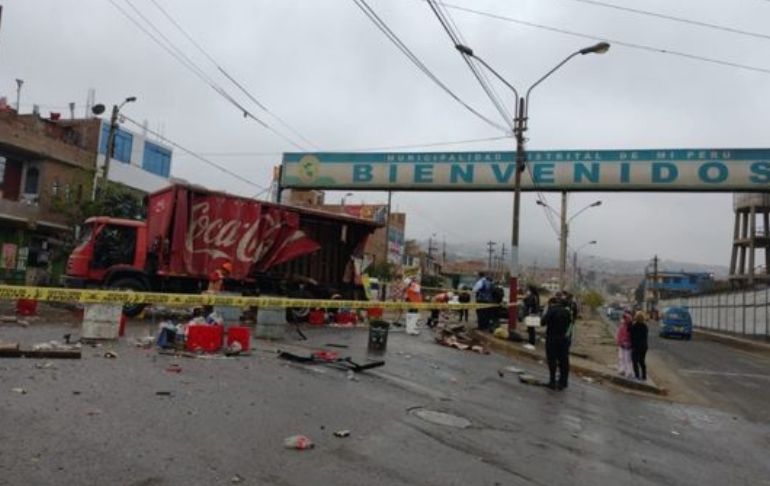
(731, 379)
(228, 417)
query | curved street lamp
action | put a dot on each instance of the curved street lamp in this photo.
(575, 262)
(98, 110)
(522, 115)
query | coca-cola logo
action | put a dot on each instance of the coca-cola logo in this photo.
(218, 236)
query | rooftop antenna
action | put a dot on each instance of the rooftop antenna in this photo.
(19, 83)
(90, 100)
(72, 110)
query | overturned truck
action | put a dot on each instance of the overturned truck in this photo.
(190, 231)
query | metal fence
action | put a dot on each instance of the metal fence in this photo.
(742, 312)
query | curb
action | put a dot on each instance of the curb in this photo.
(514, 349)
(734, 341)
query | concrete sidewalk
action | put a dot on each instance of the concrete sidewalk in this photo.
(578, 365)
(734, 341)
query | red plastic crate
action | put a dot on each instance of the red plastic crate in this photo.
(26, 307)
(204, 337)
(375, 312)
(240, 334)
(316, 318)
(346, 318)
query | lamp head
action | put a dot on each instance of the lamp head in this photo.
(130, 99)
(600, 48)
(464, 49)
(597, 203)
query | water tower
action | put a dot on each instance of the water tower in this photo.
(751, 234)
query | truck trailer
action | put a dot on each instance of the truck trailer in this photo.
(190, 231)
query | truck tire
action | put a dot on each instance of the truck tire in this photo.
(296, 315)
(129, 283)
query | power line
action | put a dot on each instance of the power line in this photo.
(698, 23)
(228, 75)
(642, 47)
(372, 15)
(183, 59)
(190, 152)
(368, 149)
(456, 38)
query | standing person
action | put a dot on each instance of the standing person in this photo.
(638, 334)
(557, 321)
(483, 291)
(412, 294)
(217, 283)
(464, 298)
(572, 307)
(441, 298)
(531, 308)
(623, 340)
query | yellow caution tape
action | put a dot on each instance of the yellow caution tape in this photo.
(91, 296)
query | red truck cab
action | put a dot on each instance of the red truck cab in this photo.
(110, 249)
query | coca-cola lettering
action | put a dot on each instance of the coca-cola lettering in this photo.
(214, 237)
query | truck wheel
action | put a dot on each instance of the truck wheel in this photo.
(298, 314)
(128, 283)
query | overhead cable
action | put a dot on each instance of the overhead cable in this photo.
(224, 72)
(455, 37)
(631, 45)
(190, 65)
(698, 23)
(372, 15)
(194, 154)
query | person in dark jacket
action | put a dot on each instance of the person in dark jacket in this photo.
(557, 321)
(639, 333)
(531, 308)
(464, 298)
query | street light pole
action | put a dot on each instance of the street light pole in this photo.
(563, 231)
(520, 126)
(110, 149)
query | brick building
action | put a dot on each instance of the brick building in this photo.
(44, 166)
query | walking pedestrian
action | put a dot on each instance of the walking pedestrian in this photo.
(441, 298)
(483, 291)
(557, 321)
(413, 294)
(638, 336)
(623, 340)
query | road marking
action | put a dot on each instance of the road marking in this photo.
(726, 373)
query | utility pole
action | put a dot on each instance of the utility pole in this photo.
(655, 289)
(563, 242)
(19, 83)
(502, 260)
(387, 228)
(443, 250)
(490, 251)
(574, 271)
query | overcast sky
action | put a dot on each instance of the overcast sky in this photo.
(325, 69)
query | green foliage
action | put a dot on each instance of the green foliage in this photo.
(593, 299)
(436, 281)
(384, 271)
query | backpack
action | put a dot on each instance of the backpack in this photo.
(498, 294)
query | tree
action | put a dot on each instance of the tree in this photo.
(593, 299)
(384, 271)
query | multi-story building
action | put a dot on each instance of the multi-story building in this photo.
(44, 168)
(137, 161)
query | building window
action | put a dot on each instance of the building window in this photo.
(55, 187)
(123, 142)
(31, 180)
(156, 159)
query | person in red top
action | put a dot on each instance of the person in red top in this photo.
(218, 276)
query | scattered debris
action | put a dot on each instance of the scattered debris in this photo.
(330, 358)
(456, 336)
(528, 379)
(94, 412)
(528, 346)
(76, 392)
(352, 375)
(145, 342)
(10, 319)
(342, 433)
(332, 345)
(22, 323)
(588, 379)
(299, 442)
(46, 365)
(513, 369)
(236, 479)
(501, 332)
(110, 354)
(19, 390)
(674, 432)
(174, 368)
(234, 349)
(163, 393)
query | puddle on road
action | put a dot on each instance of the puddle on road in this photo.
(441, 418)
